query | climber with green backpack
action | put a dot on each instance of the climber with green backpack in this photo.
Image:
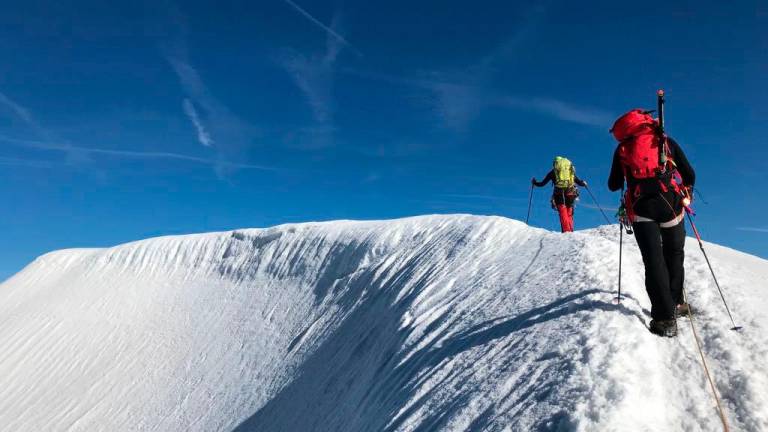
(565, 194)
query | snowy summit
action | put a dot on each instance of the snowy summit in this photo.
(429, 323)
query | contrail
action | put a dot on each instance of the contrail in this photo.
(134, 154)
(753, 229)
(202, 134)
(17, 109)
(594, 207)
(25, 162)
(23, 114)
(324, 27)
(483, 197)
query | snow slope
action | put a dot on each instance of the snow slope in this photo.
(426, 323)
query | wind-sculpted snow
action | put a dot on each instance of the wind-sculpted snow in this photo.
(420, 324)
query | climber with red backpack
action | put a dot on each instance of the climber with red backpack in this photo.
(565, 193)
(659, 182)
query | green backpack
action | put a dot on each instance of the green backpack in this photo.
(564, 172)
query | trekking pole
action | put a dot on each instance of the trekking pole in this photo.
(530, 200)
(598, 205)
(701, 246)
(620, 217)
(621, 242)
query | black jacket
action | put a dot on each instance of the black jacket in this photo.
(551, 178)
(654, 204)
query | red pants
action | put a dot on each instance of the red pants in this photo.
(566, 217)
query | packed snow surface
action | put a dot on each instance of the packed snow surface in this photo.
(429, 323)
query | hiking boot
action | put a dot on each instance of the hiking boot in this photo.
(667, 328)
(683, 310)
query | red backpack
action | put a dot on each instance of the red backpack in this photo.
(636, 132)
(639, 141)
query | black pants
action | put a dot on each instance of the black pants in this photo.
(663, 256)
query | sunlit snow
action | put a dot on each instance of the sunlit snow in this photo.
(427, 323)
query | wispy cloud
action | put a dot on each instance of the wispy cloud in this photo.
(25, 115)
(216, 125)
(456, 97)
(77, 154)
(458, 104)
(314, 76)
(372, 177)
(483, 197)
(453, 206)
(229, 131)
(460, 96)
(458, 100)
(19, 112)
(202, 134)
(328, 30)
(577, 114)
(130, 154)
(559, 109)
(26, 162)
(525, 29)
(606, 208)
(753, 229)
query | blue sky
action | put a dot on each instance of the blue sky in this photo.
(124, 121)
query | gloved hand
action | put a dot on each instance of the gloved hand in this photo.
(687, 196)
(533, 180)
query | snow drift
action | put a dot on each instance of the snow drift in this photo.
(427, 323)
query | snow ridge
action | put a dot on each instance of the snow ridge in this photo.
(429, 323)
